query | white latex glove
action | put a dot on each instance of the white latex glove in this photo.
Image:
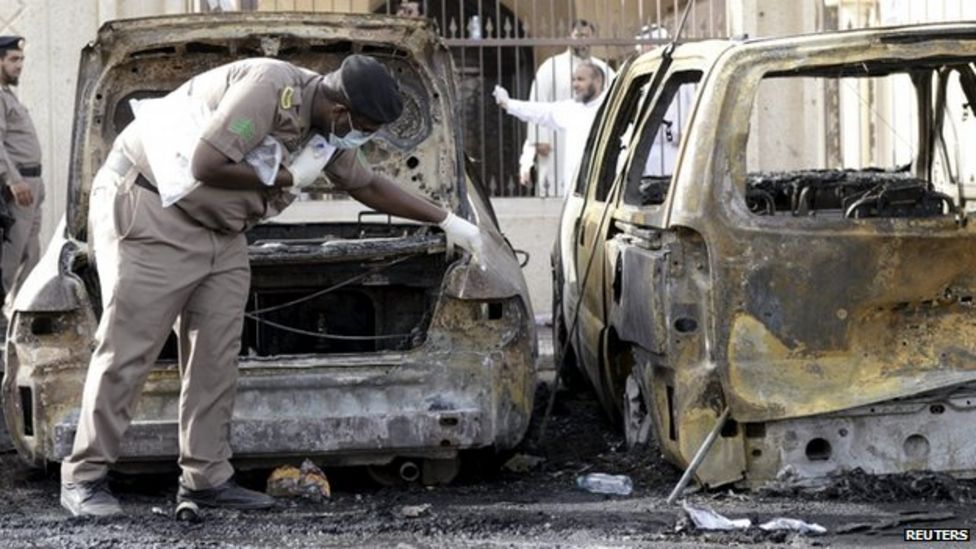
(501, 96)
(306, 166)
(465, 235)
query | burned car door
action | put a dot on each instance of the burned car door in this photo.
(593, 227)
(657, 295)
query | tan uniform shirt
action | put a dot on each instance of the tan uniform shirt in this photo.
(19, 146)
(251, 99)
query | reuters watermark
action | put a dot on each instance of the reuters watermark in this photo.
(930, 535)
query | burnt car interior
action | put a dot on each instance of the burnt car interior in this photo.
(623, 127)
(388, 309)
(915, 174)
(650, 174)
(317, 288)
(922, 184)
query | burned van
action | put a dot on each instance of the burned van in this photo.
(806, 259)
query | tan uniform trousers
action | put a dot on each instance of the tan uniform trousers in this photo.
(159, 269)
(22, 248)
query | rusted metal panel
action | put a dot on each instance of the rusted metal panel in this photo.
(808, 307)
(925, 432)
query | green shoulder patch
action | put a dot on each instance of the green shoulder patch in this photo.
(244, 127)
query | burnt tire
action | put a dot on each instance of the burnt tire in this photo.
(616, 365)
(636, 419)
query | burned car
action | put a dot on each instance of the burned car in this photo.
(807, 265)
(368, 340)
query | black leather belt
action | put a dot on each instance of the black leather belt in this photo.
(145, 184)
(29, 171)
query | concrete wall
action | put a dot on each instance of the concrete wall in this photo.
(788, 109)
(56, 31)
(530, 225)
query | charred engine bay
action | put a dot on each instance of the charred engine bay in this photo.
(540, 507)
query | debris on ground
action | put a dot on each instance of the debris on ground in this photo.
(158, 511)
(523, 463)
(858, 486)
(543, 507)
(187, 511)
(893, 522)
(415, 511)
(603, 483)
(728, 495)
(793, 525)
(306, 482)
(705, 518)
(6, 445)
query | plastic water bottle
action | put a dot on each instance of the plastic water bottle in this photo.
(602, 483)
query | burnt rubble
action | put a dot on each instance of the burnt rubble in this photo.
(859, 486)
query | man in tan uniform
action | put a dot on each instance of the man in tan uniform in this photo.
(187, 264)
(20, 156)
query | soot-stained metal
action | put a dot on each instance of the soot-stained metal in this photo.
(367, 341)
(830, 309)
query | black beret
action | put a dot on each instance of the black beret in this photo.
(370, 88)
(11, 43)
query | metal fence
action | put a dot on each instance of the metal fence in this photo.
(496, 42)
(505, 42)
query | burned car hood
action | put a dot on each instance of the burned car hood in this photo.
(149, 57)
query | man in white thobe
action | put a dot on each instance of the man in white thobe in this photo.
(570, 118)
(543, 147)
(660, 161)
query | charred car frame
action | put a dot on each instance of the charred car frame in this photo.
(368, 340)
(829, 307)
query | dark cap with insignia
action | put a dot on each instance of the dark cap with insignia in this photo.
(369, 87)
(11, 43)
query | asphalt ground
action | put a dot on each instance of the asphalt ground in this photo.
(485, 507)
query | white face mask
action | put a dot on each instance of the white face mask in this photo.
(352, 140)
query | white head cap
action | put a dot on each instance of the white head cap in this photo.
(650, 32)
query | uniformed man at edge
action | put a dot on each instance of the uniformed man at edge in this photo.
(187, 264)
(20, 158)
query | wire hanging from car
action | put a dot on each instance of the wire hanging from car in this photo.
(326, 336)
(334, 287)
(253, 315)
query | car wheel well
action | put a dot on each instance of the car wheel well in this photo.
(616, 364)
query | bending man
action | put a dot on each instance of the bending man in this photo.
(187, 264)
(572, 118)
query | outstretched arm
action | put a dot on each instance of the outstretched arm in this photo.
(535, 112)
(543, 114)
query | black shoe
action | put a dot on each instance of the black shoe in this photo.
(91, 499)
(228, 495)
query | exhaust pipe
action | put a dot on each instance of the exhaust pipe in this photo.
(409, 471)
